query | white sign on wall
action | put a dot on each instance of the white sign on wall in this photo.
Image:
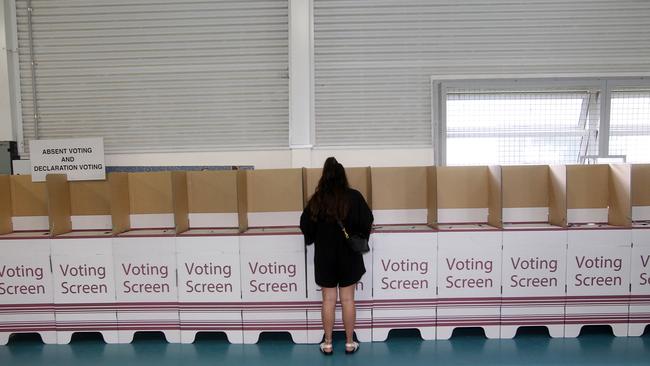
(80, 159)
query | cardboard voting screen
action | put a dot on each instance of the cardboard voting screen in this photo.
(274, 197)
(213, 199)
(534, 193)
(469, 194)
(5, 205)
(146, 200)
(599, 193)
(58, 198)
(640, 192)
(402, 195)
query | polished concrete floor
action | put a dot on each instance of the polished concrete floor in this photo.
(533, 347)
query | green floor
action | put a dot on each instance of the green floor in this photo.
(594, 347)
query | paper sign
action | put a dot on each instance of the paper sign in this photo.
(80, 159)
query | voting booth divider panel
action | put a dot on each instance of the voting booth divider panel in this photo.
(207, 250)
(26, 297)
(534, 249)
(142, 208)
(403, 251)
(469, 249)
(272, 256)
(640, 297)
(599, 247)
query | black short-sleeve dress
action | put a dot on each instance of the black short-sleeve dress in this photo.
(335, 263)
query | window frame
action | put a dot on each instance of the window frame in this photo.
(603, 85)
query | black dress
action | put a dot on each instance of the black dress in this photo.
(335, 263)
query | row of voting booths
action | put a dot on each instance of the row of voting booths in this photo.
(183, 252)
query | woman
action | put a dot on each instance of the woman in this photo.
(334, 204)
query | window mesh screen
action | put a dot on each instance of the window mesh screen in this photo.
(630, 125)
(521, 127)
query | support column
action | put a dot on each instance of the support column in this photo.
(301, 76)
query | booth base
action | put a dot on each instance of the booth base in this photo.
(48, 337)
(109, 336)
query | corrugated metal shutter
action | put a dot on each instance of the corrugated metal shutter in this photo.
(158, 75)
(374, 58)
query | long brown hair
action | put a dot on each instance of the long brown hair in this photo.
(329, 200)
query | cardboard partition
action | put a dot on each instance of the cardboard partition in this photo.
(144, 194)
(495, 201)
(5, 205)
(358, 178)
(274, 197)
(403, 188)
(212, 194)
(640, 190)
(89, 198)
(620, 207)
(59, 208)
(531, 187)
(242, 200)
(118, 184)
(525, 186)
(557, 200)
(469, 194)
(180, 201)
(587, 186)
(212, 191)
(462, 187)
(28, 198)
(151, 193)
(432, 204)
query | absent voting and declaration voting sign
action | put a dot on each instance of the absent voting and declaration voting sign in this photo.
(80, 159)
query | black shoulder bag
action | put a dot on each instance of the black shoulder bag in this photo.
(358, 243)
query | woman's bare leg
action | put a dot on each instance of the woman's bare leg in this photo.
(327, 311)
(346, 294)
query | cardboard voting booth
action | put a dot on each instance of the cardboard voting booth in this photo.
(26, 287)
(144, 252)
(404, 251)
(469, 249)
(272, 256)
(359, 179)
(534, 248)
(640, 296)
(207, 249)
(82, 258)
(599, 247)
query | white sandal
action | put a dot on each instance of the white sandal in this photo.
(326, 348)
(354, 347)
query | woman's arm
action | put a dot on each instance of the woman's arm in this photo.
(308, 227)
(365, 217)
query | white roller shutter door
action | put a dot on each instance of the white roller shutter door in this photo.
(157, 75)
(374, 58)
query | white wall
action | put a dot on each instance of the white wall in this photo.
(6, 124)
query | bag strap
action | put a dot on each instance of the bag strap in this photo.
(343, 229)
